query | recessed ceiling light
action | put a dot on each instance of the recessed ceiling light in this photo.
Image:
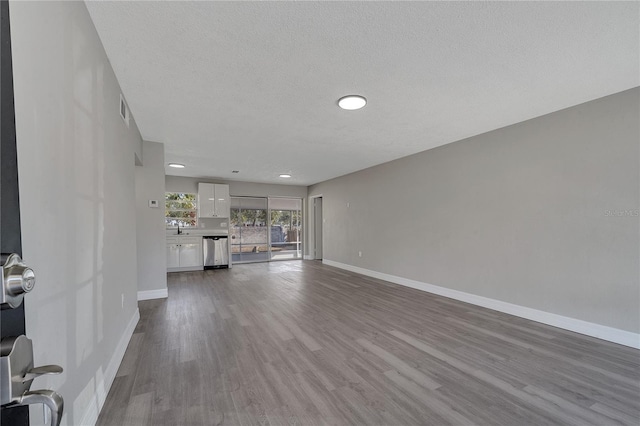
(285, 175)
(235, 171)
(176, 165)
(352, 102)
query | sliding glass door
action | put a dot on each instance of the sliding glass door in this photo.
(249, 231)
(265, 229)
(286, 228)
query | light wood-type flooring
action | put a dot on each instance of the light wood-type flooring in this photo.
(303, 343)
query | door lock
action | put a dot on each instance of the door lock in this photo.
(17, 279)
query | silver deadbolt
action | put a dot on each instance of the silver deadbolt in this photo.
(17, 279)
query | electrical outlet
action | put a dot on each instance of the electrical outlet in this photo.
(359, 254)
(122, 300)
(348, 205)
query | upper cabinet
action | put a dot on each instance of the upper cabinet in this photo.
(223, 201)
(206, 200)
(213, 200)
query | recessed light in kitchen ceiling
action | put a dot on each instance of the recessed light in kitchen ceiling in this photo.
(285, 175)
(176, 165)
(352, 102)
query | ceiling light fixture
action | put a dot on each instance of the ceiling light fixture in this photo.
(235, 171)
(176, 165)
(352, 102)
(285, 175)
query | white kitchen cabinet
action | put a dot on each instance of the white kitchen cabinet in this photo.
(213, 200)
(184, 254)
(206, 200)
(191, 254)
(223, 201)
(173, 256)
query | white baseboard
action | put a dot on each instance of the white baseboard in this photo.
(603, 332)
(308, 257)
(162, 293)
(90, 416)
(186, 269)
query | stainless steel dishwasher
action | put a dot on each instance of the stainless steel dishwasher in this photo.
(215, 251)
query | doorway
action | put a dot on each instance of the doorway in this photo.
(249, 232)
(317, 222)
(286, 228)
(265, 229)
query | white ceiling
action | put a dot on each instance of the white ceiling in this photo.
(253, 86)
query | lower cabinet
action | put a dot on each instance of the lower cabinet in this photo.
(173, 256)
(184, 253)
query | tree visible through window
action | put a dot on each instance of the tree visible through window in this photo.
(180, 209)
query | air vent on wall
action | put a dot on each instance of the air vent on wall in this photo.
(124, 110)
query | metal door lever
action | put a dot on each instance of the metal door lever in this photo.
(17, 374)
(41, 371)
(47, 397)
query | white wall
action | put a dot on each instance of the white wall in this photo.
(76, 175)
(525, 215)
(150, 230)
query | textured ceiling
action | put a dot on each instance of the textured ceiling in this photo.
(253, 86)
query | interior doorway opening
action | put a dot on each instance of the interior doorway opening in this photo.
(317, 222)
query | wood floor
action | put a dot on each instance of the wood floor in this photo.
(303, 343)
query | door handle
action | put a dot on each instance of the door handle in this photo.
(17, 279)
(17, 374)
(41, 371)
(47, 397)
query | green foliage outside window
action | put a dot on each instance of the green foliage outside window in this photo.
(287, 218)
(242, 217)
(180, 209)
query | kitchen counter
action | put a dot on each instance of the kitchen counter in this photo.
(198, 232)
(185, 251)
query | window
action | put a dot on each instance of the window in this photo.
(264, 229)
(249, 233)
(286, 228)
(180, 209)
